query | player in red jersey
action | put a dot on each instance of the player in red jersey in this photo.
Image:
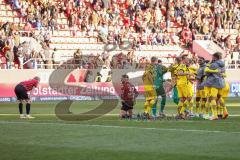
(21, 91)
(128, 96)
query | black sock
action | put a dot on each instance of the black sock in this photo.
(28, 108)
(20, 107)
(124, 116)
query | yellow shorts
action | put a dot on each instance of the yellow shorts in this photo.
(182, 91)
(149, 92)
(201, 93)
(225, 91)
(213, 92)
(190, 90)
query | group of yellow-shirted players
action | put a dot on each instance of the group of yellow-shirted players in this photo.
(211, 87)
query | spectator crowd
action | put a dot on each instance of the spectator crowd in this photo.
(142, 22)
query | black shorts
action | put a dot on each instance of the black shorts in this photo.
(21, 92)
(127, 105)
(160, 91)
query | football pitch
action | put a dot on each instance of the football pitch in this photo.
(108, 138)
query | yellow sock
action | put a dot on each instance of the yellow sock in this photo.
(207, 108)
(146, 107)
(151, 103)
(218, 110)
(225, 111)
(221, 110)
(182, 110)
(180, 106)
(223, 107)
(191, 106)
(203, 107)
(213, 106)
(198, 109)
(221, 101)
(184, 106)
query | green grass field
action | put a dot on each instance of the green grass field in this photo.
(108, 138)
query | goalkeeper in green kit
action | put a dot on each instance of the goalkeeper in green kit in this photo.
(160, 70)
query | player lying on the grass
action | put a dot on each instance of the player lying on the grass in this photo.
(128, 97)
(21, 91)
(159, 71)
(214, 82)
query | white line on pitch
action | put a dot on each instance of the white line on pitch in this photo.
(110, 114)
(119, 127)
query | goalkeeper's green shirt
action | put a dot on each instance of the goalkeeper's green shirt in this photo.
(160, 70)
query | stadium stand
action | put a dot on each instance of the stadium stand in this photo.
(50, 32)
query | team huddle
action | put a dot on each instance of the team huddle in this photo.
(211, 89)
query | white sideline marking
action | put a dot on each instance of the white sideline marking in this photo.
(45, 114)
(119, 127)
(234, 115)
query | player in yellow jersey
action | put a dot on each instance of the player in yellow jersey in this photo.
(191, 79)
(222, 95)
(172, 69)
(200, 94)
(149, 91)
(182, 85)
(214, 82)
(206, 92)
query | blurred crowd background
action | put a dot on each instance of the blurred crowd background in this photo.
(140, 22)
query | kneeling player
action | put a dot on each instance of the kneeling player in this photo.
(128, 96)
(21, 91)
